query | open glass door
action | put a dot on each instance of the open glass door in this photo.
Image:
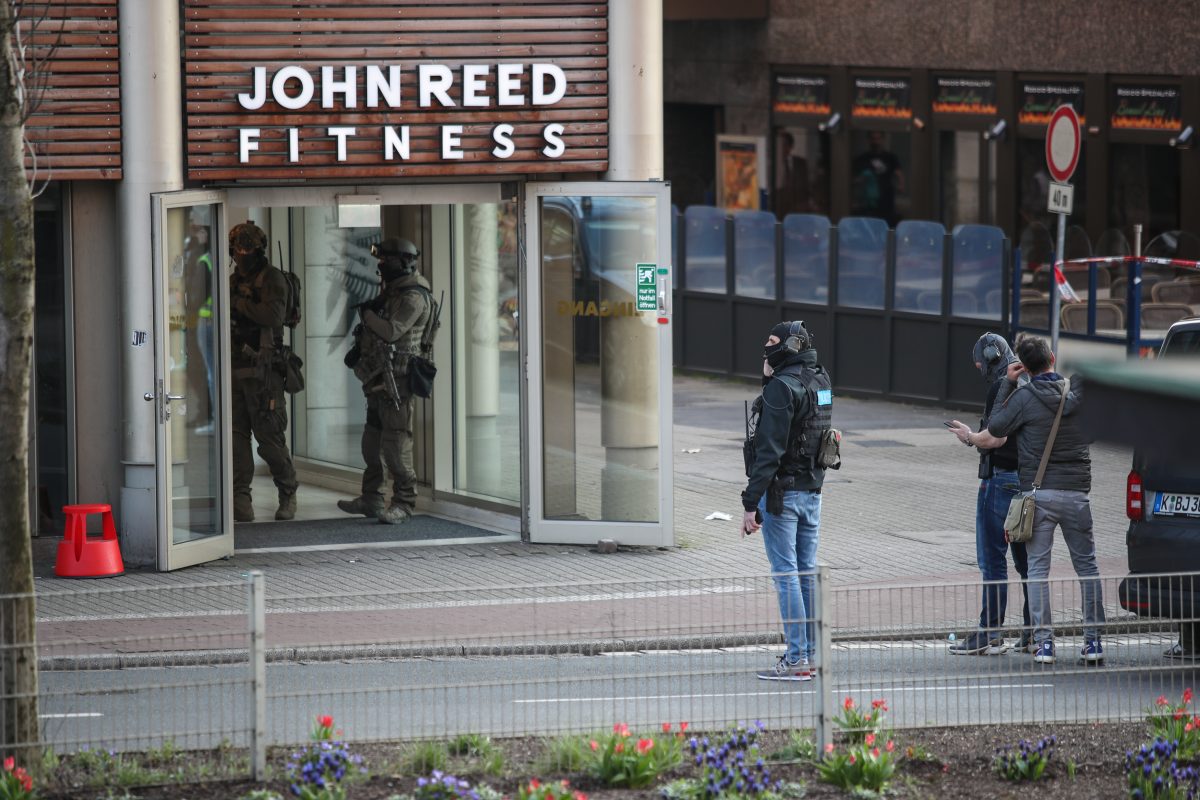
(598, 351)
(191, 378)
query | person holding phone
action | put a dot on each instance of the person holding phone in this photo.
(997, 485)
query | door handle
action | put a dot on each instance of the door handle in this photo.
(171, 397)
(148, 397)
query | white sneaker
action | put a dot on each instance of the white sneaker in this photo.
(783, 671)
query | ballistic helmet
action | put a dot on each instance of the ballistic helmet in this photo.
(397, 257)
(247, 236)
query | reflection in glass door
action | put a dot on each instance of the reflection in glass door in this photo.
(191, 379)
(600, 389)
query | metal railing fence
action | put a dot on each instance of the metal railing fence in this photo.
(577, 657)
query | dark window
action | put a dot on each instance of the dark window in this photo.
(801, 183)
(967, 184)
(1037, 227)
(1144, 188)
(879, 175)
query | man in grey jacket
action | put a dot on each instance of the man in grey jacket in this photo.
(1062, 499)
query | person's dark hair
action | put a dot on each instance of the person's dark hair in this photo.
(1034, 354)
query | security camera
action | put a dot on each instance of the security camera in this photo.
(996, 131)
(830, 125)
(1184, 139)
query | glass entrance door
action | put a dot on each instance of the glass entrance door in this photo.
(599, 362)
(190, 392)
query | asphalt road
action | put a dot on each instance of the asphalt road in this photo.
(439, 697)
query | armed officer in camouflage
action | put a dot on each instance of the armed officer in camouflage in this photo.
(390, 334)
(258, 298)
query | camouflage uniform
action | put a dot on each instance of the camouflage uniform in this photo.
(387, 437)
(257, 307)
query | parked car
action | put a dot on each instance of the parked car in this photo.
(1163, 506)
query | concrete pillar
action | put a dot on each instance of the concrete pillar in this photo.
(151, 132)
(482, 394)
(629, 345)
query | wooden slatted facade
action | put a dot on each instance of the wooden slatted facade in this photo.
(226, 39)
(73, 77)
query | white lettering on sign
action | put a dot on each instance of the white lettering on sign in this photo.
(552, 133)
(434, 80)
(502, 136)
(508, 85)
(347, 87)
(377, 85)
(247, 142)
(395, 142)
(279, 88)
(555, 73)
(477, 85)
(452, 142)
(340, 133)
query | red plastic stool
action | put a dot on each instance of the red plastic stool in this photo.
(81, 557)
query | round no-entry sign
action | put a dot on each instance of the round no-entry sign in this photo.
(1062, 143)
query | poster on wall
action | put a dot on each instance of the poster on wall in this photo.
(801, 94)
(960, 94)
(1040, 98)
(1147, 108)
(882, 98)
(740, 171)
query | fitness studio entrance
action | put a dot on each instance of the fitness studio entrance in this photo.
(467, 437)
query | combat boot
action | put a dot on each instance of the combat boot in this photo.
(395, 514)
(243, 508)
(287, 506)
(361, 505)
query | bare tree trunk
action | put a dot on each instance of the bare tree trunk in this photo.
(18, 651)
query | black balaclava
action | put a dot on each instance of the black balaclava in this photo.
(998, 366)
(774, 353)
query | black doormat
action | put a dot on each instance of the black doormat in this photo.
(350, 530)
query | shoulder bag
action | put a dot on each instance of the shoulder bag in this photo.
(1018, 523)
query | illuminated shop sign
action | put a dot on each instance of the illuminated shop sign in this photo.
(393, 90)
(1151, 108)
(1040, 98)
(882, 98)
(964, 95)
(801, 94)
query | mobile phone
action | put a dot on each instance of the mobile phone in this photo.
(948, 424)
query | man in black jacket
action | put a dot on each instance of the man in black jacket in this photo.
(997, 485)
(783, 493)
(1062, 498)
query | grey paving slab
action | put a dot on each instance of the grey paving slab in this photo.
(900, 513)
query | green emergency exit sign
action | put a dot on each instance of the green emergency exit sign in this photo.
(647, 288)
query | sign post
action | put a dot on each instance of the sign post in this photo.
(1062, 156)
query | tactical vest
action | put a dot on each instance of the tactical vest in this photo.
(377, 355)
(805, 434)
(243, 330)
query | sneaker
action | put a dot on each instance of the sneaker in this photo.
(978, 644)
(395, 514)
(784, 671)
(1027, 644)
(362, 506)
(243, 508)
(1092, 652)
(287, 507)
(1045, 653)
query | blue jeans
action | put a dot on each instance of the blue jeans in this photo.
(791, 542)
(991, 550)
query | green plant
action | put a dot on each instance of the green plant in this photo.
(1072, 769)
(563, 754)
(1176, 722)
(15, 782)
(1154, 772)
(800, 747)
(857, 723)
(422, 758)
(1026, 762)
(861, 768)
(261, 794)
(620, 760)
(318, 771)
(536, 790)
(480, 749)
(916, 752)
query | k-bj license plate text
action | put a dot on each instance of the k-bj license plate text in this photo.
(1168, 503)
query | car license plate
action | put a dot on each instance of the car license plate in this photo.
(1171, 504)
